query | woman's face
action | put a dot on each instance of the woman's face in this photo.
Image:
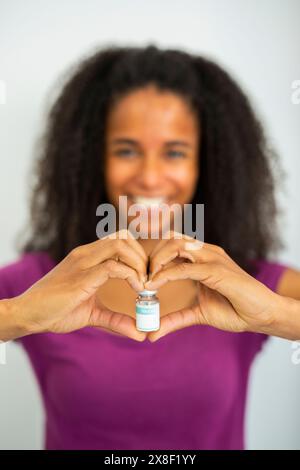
(152, 146)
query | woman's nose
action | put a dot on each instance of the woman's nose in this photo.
(150, 172)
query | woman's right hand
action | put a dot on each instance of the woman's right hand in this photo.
(64, 299)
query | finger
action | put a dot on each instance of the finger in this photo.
(216, 276)
(168, 250)
(187, 247)
(175, 321)
(119, 323)
(194, 250)
(125, 234)
(89, 255)
(122, 271)
(196, 244)
(220, 254)
(168, 235)
(191, 244)
(129, 256)
(210, 274)
(132, 241)
(90, 280)
(157, 247)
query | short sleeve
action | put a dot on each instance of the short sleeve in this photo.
(8, 274)
(269, 273)
(17, 276)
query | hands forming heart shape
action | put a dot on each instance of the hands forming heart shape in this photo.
(64, 299)
(228, 298)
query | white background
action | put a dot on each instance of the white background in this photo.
(258, 41)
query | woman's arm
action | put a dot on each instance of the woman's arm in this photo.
(11, 324)
(65, 299)
(228, 298)
(286, 319)
(287, 316)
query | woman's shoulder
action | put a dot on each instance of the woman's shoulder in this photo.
(268, 272)
(19, 274)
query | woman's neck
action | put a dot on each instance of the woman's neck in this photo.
(148, 244)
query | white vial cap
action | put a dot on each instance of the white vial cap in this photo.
(146, 292)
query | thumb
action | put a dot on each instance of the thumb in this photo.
(120, 323)
(176, 321)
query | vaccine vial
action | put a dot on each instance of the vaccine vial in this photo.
(147, 311)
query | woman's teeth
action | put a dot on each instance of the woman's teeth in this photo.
(148, 201)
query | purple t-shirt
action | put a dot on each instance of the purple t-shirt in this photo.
(104, 391)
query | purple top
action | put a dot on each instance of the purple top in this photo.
(104, 391)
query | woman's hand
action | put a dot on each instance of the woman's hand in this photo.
(228, 298)
(64, 299)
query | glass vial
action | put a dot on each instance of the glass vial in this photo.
(147, 311)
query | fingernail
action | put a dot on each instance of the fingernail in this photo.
(152, 273)
(139, 288)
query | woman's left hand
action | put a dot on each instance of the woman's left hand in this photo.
(228, 298)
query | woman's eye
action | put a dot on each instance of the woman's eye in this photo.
(125, 152)
(175, 154)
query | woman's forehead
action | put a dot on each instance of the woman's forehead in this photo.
(150, 112)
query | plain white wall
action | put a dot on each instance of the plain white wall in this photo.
(258, 41)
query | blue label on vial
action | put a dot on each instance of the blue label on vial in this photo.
(147, 309)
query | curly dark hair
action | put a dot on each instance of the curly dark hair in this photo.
(237, 177)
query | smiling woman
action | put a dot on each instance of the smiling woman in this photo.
(189, 98)
(155, 126)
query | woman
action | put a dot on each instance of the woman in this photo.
(148, 124)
